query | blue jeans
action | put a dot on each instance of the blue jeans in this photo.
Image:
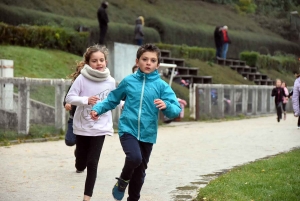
(219, 52)
(70, 138)
(139, 42)
(137, 158)
(225, 49)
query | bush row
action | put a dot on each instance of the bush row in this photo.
(185, 51)
(116, 32)
(279, 62)
(174, 33)
(44, 37)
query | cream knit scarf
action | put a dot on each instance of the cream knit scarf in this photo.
(95, 75)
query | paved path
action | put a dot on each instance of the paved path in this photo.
(45, 171)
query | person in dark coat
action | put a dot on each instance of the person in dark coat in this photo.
(103, 21)
(138, 31)
(218, 41)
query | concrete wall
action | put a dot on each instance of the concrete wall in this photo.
(8, 120)
(40, 113)
(121, 59)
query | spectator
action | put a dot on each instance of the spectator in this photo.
(226, 41)
(218, 41)
(138, 31)
(103, 21)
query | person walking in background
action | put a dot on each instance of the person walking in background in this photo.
(225, 41)
(103, 21)
(285, 99)
(146, 94)
(138, 31)
(91, 86)
(218, 41)
(295, 94)
(278, 92)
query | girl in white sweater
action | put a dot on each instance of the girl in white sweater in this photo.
(92, 86)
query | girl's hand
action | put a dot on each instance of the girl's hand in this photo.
(93, 100)
(68, 106)
(94, 115)
(160, 104)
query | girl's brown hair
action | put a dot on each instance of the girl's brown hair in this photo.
(86, 58)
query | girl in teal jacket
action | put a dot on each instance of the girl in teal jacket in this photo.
(146, 93)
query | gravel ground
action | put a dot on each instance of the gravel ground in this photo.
(184, 152)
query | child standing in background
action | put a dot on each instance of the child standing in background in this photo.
(91, 86)
(278, 92)
(146, 94)
(285, 99)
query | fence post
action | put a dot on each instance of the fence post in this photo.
(60, 120)
(24, 108)
(264, 100)
(254, 100)
(245, 99)
(233, 101)
(192, 101)
(197, 104)
(220, 91)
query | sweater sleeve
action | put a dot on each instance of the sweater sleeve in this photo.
(173, 108)
(73, 97)
(273, 92)
(295, 98)
(113, 99)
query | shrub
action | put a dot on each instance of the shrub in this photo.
(184, 51)
(44, 37)
(175, 33)
(278, 62)
(250, 57)
(116, 32)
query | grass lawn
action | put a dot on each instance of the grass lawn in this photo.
(40, 63)
(288, 77)
(276, 178)
(221, 74)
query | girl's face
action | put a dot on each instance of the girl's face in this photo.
(278, 83)
(97, 61)
(283, 85)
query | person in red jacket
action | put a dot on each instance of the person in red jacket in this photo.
(226, 41)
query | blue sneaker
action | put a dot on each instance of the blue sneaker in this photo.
(119, 188)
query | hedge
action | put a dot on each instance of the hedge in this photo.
(116, 32)
(44, 37)
(279, 62)
(183, 51)
(175, 33)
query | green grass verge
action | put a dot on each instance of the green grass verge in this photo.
(221, 74)
(35, 131)
(276, 178)
(288, 77)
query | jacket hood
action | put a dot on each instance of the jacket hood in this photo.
(151, 76)
(138, 21)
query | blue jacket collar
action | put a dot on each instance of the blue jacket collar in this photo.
(151, 76)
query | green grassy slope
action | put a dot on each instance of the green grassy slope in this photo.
(196, 13)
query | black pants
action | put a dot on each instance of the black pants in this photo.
(137, 158)
(103, 30)
(283, 107)
(88, 149)
(298, 121)
(279, 110)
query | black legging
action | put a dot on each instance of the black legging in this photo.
(299, 121)
(88, 149)
(283, 107)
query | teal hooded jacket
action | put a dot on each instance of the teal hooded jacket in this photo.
(140, 115)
